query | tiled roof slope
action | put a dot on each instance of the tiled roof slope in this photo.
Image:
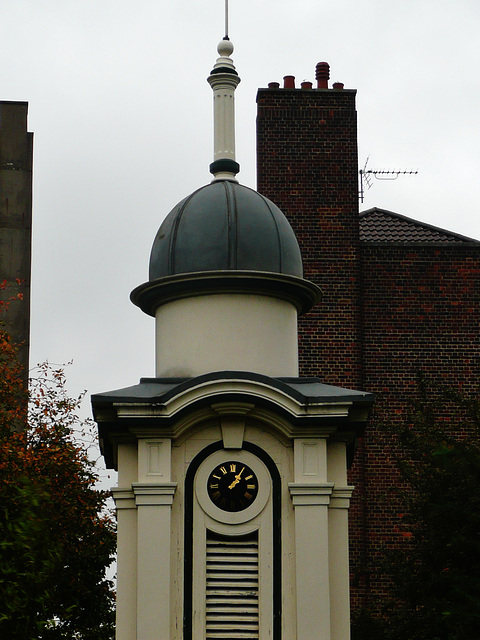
(379, 225)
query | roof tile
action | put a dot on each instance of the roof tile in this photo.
(380, 225)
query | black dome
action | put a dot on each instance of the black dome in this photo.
(225, 238)
(225, 226)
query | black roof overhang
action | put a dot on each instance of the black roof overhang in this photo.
(310, 395)
(150, 295)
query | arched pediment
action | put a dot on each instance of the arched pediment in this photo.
(169, 407)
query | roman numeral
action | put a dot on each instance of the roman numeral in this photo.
(223, 470)
(250, 486)
(233, 468)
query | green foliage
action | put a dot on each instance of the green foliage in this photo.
(56, 536)
(436, 570)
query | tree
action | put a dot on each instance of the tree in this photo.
(57, 537)
(436, 571)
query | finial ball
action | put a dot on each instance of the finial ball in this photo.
(225, 48)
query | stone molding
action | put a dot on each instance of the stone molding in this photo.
(341, 497)
(124, 498)
(310, 494)
(152, 494)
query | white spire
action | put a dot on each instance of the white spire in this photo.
(224, 80)
(226, 19)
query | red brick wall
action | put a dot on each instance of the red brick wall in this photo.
(421, 313)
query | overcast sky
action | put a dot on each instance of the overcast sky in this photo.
(122, 117)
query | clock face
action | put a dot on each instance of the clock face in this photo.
(232, 486)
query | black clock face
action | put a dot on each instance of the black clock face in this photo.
(232, 486)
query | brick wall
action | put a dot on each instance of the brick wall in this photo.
(421, 313)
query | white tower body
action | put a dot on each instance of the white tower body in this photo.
(214, 332)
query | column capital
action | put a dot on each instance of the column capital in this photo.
(341, 497)
(305, 494)
(147, 493)
(124, 498)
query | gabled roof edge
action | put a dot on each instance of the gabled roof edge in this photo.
(423, 225)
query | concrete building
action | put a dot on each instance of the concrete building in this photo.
(16, 156)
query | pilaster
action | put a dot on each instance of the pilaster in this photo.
(154, 502)
(311, 502)
(126, 563)
(310, 495)
(339, 563)
(338, 540)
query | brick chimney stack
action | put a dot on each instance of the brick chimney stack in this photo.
(307, 164)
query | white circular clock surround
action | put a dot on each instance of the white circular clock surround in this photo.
(242, 457)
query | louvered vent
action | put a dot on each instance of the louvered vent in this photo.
(232, 587)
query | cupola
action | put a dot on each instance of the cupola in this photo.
(225, 267)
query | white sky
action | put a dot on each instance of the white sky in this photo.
(122, 117)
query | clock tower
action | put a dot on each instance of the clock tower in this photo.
(232, 494)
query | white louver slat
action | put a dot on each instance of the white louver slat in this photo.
(232, 587)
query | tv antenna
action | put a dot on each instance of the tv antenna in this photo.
(379, 174)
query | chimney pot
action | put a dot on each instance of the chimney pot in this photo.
(338, 85)
(322, 74)
(289, 82)
(273, 85)
(306, 85)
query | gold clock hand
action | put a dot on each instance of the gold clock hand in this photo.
(238, 477)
